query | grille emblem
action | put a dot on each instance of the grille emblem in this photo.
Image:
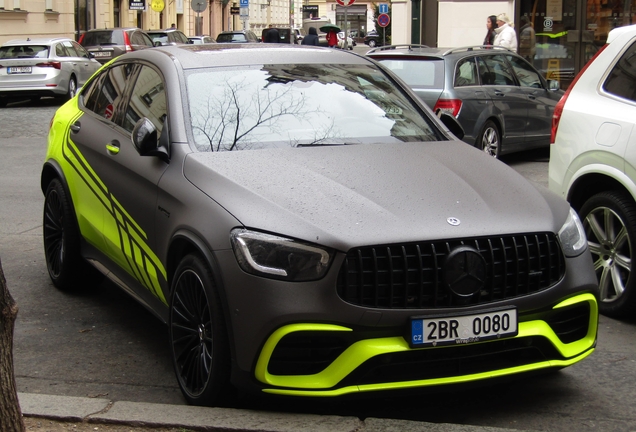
(465, 271)
(453, 221)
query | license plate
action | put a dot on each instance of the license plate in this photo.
(19, 69)
(463, 329)
(101, 53)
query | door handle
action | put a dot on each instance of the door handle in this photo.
(75, 127)
(113, 147)
(498, 93)
(533, 97)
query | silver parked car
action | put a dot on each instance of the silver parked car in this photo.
(43, 67)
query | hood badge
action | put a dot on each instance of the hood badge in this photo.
(453, 221)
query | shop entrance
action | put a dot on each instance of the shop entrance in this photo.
(569, 32)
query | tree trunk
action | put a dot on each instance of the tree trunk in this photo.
(10, 414)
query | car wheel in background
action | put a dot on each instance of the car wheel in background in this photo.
(609, 219)
(198, 337)
(61, 239)
(72, 88)
(371, 43)
(490, 140)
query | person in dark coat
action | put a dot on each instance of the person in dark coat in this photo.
(272, 35)
(311, 38)
(491, 25)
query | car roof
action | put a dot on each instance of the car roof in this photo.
(440, 52)
(112, 28)
(619, 31)
(38, 41)
(220, 55)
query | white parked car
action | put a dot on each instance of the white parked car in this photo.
(341, 41)
(593, 164)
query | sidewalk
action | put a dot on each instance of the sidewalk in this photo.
(133, 414)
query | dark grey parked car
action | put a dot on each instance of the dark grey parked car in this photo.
(307, 227)
(502, 102)
(237, 36)
(106, 44)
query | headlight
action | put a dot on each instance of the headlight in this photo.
(279, 257)
(572, 235)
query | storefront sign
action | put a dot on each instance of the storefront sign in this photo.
(554, 9)
(137, 5)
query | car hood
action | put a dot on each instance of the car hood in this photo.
(345, 196)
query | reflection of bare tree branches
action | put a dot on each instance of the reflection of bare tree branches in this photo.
(231, 121)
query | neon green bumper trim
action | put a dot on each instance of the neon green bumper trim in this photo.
(361, 351)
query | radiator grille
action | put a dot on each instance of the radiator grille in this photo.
(411, 275)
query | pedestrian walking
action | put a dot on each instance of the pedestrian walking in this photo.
(527, 39)
(272, 35)
(332, 38)
(311, 38)
(505, 33)
(491, 25)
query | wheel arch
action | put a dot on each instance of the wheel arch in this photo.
(493, 118)
(590, 184)
(185, 242)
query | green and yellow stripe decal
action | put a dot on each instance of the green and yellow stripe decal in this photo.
(322, 383)
(134, 254)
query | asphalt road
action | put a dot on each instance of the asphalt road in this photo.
(102, 344)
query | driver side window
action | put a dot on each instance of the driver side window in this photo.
(147, 99)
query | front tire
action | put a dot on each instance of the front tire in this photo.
(372, 43)
(198, 336)
(61, 239)
(609, 219)
(490, 139)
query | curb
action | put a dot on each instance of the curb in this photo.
(69, 408)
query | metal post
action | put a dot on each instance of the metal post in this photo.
(346, 39)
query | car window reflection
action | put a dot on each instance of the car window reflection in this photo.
(299, 105)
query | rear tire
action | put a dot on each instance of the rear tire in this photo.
(609, 219)
(61, 239)
(490, 139)
(72, 88)
(198, 335)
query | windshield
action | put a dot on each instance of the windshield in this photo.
(300, 105)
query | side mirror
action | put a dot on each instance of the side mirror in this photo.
(554, 85)
(157, 43)
(144, 138)
(452, 124)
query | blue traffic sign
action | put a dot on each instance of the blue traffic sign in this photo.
(383, 20)
(244, 3)
(384, 8)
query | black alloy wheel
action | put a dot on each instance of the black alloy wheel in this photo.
(61, 239)
(490, 139)
(198, 337)
(609, 219)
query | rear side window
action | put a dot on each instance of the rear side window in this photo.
(417, 72)
(494, 70)
(622, 80)
(466, 73)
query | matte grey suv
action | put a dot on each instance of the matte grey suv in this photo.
(502, 102)
(106, 44)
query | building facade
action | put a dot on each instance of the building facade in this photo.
(568, 32)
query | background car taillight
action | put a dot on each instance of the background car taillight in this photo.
(450, 106)
(127, 42)
(558, 109)
(53, 64)
(81, 38)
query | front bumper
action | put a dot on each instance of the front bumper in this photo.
(552, 339)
